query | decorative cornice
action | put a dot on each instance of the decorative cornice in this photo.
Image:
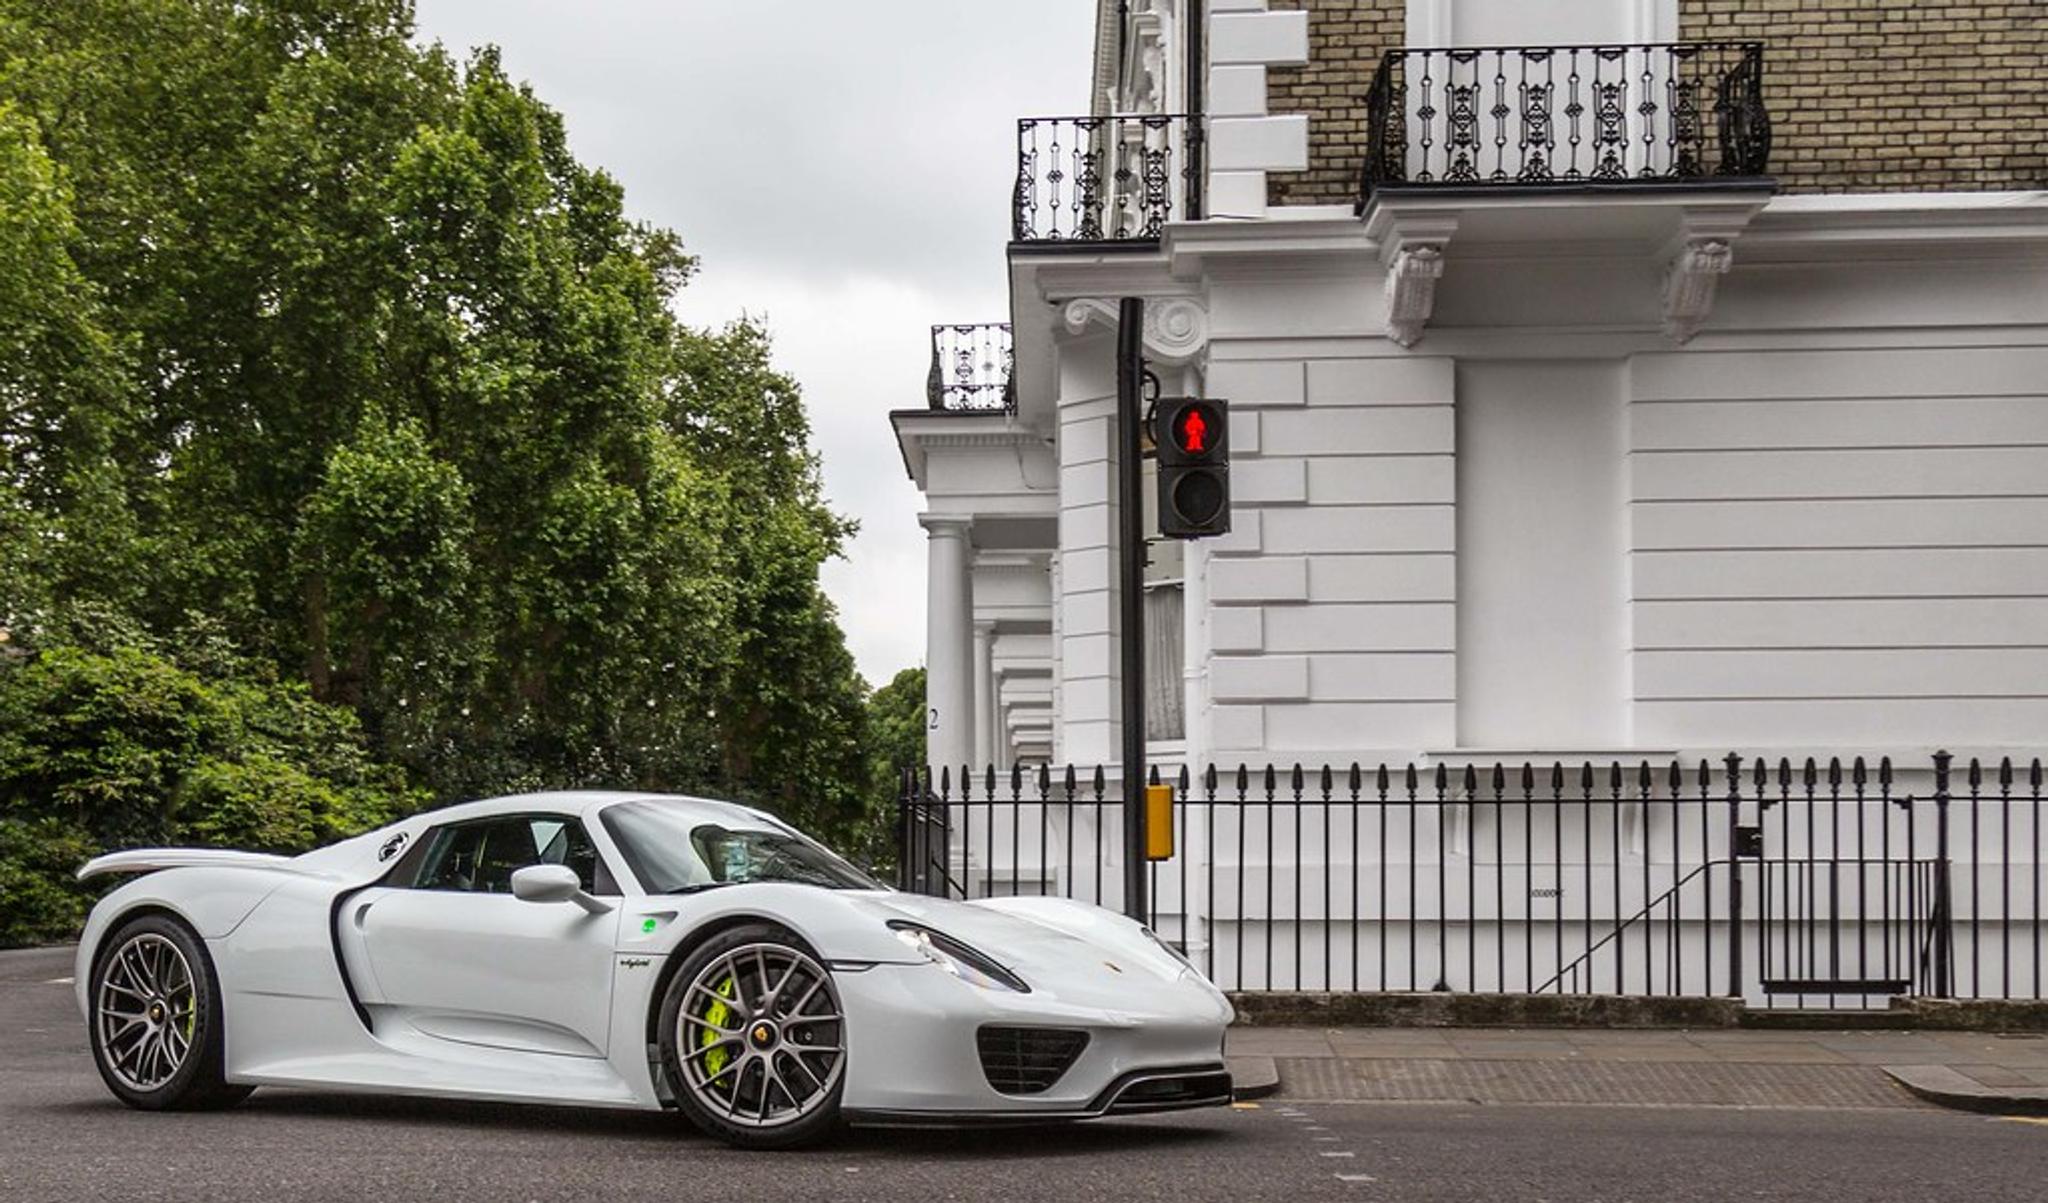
(1689, 284)
(1176, 328)
(1411, 290)
(1412, 243)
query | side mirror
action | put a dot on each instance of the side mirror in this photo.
(553, 883)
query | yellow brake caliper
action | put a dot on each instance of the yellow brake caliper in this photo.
(716, 1015)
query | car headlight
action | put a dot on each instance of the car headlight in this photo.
(958, 959)
(1170, 950)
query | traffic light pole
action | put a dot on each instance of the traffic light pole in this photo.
(1130, 373)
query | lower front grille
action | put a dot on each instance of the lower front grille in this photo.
(1169, 1090)
(1027, 1060)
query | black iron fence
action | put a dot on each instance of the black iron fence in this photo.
(1836, 883)
(1105, 179)
(1566, 115)
(972, 369)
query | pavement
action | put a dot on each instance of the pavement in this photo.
(62, 1137)
(1996, 1072)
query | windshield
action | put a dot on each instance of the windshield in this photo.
(671, 851)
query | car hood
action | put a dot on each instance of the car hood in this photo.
(1068, 950)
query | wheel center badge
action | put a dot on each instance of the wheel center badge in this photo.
(763, 1034)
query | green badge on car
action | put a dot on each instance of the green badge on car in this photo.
(648, 925)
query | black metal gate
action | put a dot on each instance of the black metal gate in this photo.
(1853, 901)
(1811, 884)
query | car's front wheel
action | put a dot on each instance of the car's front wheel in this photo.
(156, 1019)
(754, 1040)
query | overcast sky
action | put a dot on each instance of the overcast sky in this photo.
(842, 170)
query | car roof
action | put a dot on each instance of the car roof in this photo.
(584, 803)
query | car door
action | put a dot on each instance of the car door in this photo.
(446, 951)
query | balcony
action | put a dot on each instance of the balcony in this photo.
(1685, 114)
(1090, 181)
(972, 369)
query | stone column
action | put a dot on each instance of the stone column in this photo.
(949, 643)
(987, 741)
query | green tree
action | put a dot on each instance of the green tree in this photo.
(314, 333)
(307, 329)
(128, 747)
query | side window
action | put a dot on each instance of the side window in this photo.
(481, 856)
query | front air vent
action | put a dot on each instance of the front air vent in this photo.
(1027, 1060)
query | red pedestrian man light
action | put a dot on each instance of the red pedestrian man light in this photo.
(1194, 467)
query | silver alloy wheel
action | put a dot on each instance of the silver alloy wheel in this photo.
(147, 1011)
(760, 1036)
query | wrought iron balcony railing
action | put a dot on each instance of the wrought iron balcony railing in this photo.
(1105, 179)
(971, 369)
(1567, 115)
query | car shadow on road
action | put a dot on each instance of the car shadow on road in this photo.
(972, 1143)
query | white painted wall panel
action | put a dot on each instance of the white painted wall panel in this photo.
(1259, 678)
(1869, 572)
(1541, 567)
(1259, 37)
(1258, 382)
(1278, 143)
(1888, 472)
(1859, 622)
(1858, 422)
(1383, 479)
(1841, 673)
(1319, 730)
(1238, 629)
(1383, 677)
(1913, 724)
(1340, 627)
(1909, 522)
(1255, 481)
(1396, 578)
(1267, 578)
(1840, 546)
(1407, 380)
(1330, 528)
(1360, 431)
(1864, 372)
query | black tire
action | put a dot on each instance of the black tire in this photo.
(144, 1077)
(727, 1080)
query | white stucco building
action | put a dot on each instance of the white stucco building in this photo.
(1708, 456)
(1690, 465)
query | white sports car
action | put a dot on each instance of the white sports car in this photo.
(631, 950)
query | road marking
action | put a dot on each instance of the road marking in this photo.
(1244, 1106)
(1331, 1139)
(1339, 1153)
(1356, 1178)
(61, 981)
(2024, 1119)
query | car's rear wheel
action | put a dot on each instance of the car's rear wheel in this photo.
(753, 1039)
(156, 1019)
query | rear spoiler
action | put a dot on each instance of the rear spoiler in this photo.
(149, 860)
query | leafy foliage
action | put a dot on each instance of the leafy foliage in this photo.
(311, 331)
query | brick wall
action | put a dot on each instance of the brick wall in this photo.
(1864, 95)
(1896, 95)
(1345, 41)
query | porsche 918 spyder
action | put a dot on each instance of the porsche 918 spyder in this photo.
(635, 951)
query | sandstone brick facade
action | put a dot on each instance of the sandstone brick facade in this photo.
(1896, 95)
(1345, 41)
(1864, 95)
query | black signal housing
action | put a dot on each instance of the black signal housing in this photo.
(1193, 438)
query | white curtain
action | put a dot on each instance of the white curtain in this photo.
(1163, 663)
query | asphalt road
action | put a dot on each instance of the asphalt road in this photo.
(63, 1137)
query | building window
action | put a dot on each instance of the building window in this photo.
(1164, 659)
